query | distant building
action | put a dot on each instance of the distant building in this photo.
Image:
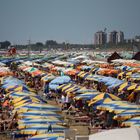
(137, 38)
(116, 37)
(100, 38)
(113, 37)
(120, 37)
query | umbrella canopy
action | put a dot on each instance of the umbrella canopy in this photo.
(29, 123)
(30, 69)
(86, 96)
(124, 86)
(137, 89)
(38, 113)
(132, 87)
(127, 114)
(41, 129)
(103, 98)
(49, 136)
(21, 94)
(37, 106)
(34, 98)
(110, 106)
(61, 80)
(18, 88)
(131, 122)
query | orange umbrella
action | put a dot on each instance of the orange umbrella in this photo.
(72, 72)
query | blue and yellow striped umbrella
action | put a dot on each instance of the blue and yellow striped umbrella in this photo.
(137, 89)
(131, 122)
(34, 98)
(19, 94)
(61, 86)
(41, 129)
(124, 107)
(35, 122)
(23, 88)
(124, 86)
(11, 88)
(86, 96)
(67, 87)
(43, 107)
(49, 136)
(103, 98)
(38, 113)
(111, 105)
(127, 114)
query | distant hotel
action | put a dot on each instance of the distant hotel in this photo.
(100, 38)
(116, 37)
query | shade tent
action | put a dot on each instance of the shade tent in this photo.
(114, 56)
(136, 56)
(117, 134)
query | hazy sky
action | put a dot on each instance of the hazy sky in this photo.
(74, 21)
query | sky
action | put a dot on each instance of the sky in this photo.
(72, 21)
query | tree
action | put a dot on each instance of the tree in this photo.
(51, 43)
(39, 46)
(5, 44)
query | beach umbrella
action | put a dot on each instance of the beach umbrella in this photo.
(30, 69)
(29, 100)
(47, 78)
(82, 91)
(23, 88)
(38, 106)
(41, 129)
(86, 96)
(49, 136)
(66, 87)
(132, 87)
(61, 80)
(15, 94)
(124, 107)
(37, 114)
(111, 105)
(34, 98)
(127, 114)
(34, 122)
(132, 121)
(124, 86)
(36, 73)
(137, 89)
(62, 86)
(103, 98)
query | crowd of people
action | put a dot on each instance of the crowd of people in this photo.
(96, 119)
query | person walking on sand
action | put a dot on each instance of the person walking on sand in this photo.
(50, 128)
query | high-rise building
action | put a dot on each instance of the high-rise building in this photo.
(116, 37)
(100, 38)
(113, 37)
(120, 37)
